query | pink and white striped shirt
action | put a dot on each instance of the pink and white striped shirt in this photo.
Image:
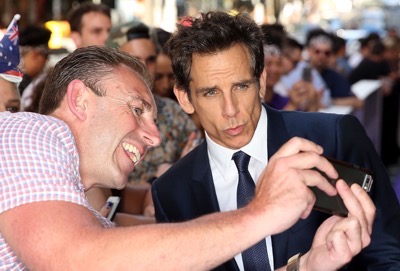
(38, 162)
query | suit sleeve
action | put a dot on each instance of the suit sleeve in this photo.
(383, 253)
(160, 215)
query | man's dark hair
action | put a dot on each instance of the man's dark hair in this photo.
(34, 36)
(139, 31)
(211, 33)
(273, 34)
(92, 65)
(74, 17)
(339, 44)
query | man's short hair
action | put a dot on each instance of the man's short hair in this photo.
(92, 65)
(34, 35)
(210, 33)
(75, 15)
(273, 34)
(139, 31)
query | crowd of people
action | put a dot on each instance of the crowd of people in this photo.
(178, 115)
(320, 73)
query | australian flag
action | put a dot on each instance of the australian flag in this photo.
(9, 52)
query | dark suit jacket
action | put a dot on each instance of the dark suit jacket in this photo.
(186, 191)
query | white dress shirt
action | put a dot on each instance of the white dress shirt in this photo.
(225, 174)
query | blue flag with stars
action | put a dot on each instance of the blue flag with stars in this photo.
(9, 52)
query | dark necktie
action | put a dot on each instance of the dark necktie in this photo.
(255, 258)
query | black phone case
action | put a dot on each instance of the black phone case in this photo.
(350, 174)
(306, 75)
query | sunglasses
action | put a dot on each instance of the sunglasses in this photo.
(326, 53)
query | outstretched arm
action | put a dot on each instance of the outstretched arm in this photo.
(69, 236)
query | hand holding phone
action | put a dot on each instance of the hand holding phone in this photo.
(350, 174)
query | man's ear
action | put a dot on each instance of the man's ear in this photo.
(77, 94)
(263, 83)
(76, 38)
(183, 99)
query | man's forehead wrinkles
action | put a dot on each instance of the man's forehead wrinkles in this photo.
(132, 94)
(233, 83)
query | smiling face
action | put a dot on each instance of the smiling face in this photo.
(225, 96)
(116, 129)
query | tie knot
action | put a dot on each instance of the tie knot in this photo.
(241, 160)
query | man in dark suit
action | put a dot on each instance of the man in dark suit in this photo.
(219, 69)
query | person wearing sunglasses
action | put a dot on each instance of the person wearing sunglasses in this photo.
(294, 67)
(319, 46)
(280, 56)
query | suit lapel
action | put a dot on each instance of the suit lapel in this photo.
(277, 131)
(202, 185)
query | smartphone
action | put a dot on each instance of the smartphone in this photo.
(306, 75)
(113, 202)
(350, 174)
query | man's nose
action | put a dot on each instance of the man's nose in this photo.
(229, 105)
(151, 135)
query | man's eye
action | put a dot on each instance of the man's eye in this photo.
(12, 109)
(137, 111)
(210, 93)
(243, 87)
(97, 31)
